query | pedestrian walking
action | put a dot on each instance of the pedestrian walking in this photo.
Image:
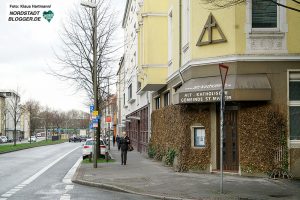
(124, 142)
(118, 142)
(114, 140)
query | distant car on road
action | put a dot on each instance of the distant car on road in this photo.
(3, 139)
(83, 138)
(74, 139)
(32, 138)
(87, 148)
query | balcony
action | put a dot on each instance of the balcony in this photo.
(153, 78)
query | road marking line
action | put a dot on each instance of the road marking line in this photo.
(65, 197)
(13, 190)
(21, 185)
(70, 173)
(35, 176)
(69, 187)
(3, 198)
(6, 195)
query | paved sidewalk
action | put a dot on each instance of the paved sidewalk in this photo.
(147, 177)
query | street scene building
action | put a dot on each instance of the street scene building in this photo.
(2, 115)
(178, 66)
(11, 112)
(150, 99)
(138, 63)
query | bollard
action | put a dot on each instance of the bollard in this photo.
(106, 156)
(90, 157)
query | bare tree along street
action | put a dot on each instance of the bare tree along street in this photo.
(45, 173)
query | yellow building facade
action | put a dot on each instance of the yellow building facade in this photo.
(152, 44)
(258, 42)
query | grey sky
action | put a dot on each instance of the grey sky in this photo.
(26, 52)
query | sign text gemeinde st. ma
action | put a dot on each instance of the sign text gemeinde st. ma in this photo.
(205, 96)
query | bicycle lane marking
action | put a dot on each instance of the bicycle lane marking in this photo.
(32, 178)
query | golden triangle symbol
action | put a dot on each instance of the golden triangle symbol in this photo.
(209, 25)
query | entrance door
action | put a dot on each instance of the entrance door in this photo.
(230, 140)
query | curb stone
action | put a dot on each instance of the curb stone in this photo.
(118, 189)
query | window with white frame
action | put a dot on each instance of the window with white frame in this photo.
(264, 14)
(198, 136)
(170, 36)
(263, 18)
(157, 103)
(167, 99)
(186, 22)
(294, 105)
(130, 92)
(124, 99)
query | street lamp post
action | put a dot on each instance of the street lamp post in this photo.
(223, 73)
(95, 85)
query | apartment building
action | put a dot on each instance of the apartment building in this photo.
(258, 41)
(12, 110)
(145, 25)
(2, 114)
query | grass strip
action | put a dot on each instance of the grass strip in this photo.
(11, 147)
(100, 160)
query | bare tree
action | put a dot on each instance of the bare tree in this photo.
(33, 108)
(77, 61)
(15, 111)
(219, 4)
(46, 115)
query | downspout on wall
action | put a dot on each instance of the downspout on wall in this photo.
(180, 41)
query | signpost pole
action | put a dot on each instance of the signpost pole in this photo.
(223, 73)
(221, 137)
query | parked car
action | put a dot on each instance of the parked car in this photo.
(74, 139)
(83, 138)
(32, 138)
(3, 139)
(87, 148)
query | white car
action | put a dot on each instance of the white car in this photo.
(3, 139)
(87, 148)
(33, 139)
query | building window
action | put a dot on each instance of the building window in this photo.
(186, 22)
(139, 85)
(294, 105)
(130, 92)
(198, 136)
(166, 99)
(170, 37)
(266, 27)
(264, 14)
(123, 99)
(157, 103)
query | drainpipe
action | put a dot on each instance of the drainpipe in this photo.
(180, 41)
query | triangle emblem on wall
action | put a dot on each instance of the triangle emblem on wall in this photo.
(210, 25)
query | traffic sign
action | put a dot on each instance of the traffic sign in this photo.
(95, 113)
(95, 120)
(92, 108)
(91, 125)
(95, 125)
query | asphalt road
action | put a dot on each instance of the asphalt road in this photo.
(45, 173)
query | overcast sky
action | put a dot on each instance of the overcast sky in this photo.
(26, 52)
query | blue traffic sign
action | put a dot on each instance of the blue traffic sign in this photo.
(91, 125)
(92, 108)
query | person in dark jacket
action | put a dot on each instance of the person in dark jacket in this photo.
(118, 142)
(124, 142)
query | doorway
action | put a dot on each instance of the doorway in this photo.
(230, 140)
